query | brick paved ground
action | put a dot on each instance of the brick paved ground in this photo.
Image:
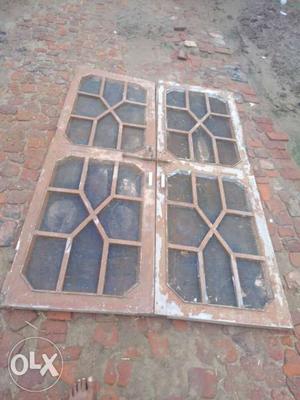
(140, 358)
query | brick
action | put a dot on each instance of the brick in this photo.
(254, 143)
(275, 205)
(34, 159)
(180, 326)
(59, 316)
(226, 350)
(159, 344)
(7, 233)
(295, 259)
(71, 353)
(286, 231)
(56, 331)
(202, 383)
(253, 367)
(292, 174)
(275, 135)
(107, 335)
(30, 175)
(132, 353)
(69, 372)
(292, 245)
(287, 340)
(124, 369)
(8, 109)
(18, 196)
(110, 375)
(265, 191)
(25, 115)
(292, 363)
(17, 319)
(10, 169)
(274, 348)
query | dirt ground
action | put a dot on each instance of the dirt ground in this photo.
(248, 47)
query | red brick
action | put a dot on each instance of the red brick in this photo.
(253, 367)
(10, 169)
(107, 335)
(292, 363)
(68, 375)
(180, 326)
(274, 348)
(25, 115)
(59, 316)
(287, 340)
(255, 143)
(124, 369)
(292, 174)
(159, 344)
(295, 259)
(34, 159)
(265, 191)
(71, 353)
(292, 245)
(275, 205)
(202, 383)
(55, 331)
(294, 386)
(226, 350)
(132, 353)
(286, 231)
(275, 135)
(110, 375)
(30, 175)
(17, 196)
(8, 109)
(17, 319)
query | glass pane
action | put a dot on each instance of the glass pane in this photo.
(180, 120)
(107, 132)
(203, 148)
(113, 91)
(79, 130)
(252, 283)
(64, 212)
(218, 126)
(235, 196)
(183, 274)
(185, 226)
(84, 262)
(136, 93)
(209, 198)
(121, 219)
(122, 269)
(176, 98)
(198, 104)
(238, 232)
(129, 181)
(227, 152)
(178, 145)
(131, 113)
(180, 188)
(44, 264)
(68, 173)
(90, 84)
(98, 182)
(218, 275)
(89, 106)
(132, 138)
(217, 106)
